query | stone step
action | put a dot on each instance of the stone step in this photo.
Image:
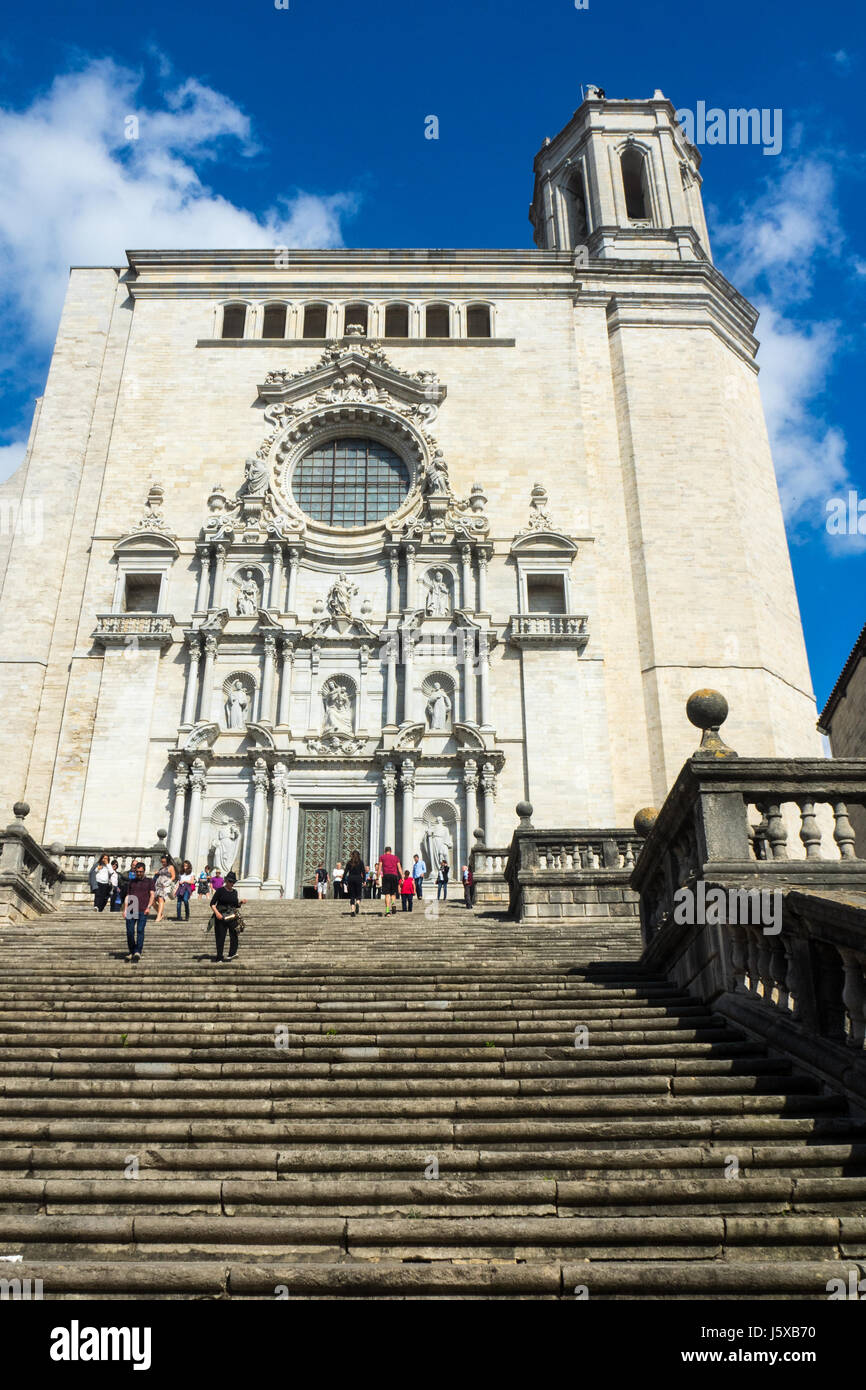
(447, 1038)
(478, 1278)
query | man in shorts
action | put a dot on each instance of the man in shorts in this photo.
(389, 872)
(321, 882)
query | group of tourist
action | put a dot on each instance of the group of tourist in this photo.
(389, 880)
(135, 894)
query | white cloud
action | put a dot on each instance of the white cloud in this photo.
(772, 252)
(76, 191)
(11, 457)
(842, 59)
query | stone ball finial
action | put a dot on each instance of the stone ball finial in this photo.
(524, 811)
(20, 810)
(708, 710)
(56, 848)
(645, 820)
(478, 836)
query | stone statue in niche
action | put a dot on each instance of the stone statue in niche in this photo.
(338, 709)
(255, 478)
(247, 599)
(224, 850)
(237, 705)
(437, 844)
(340, 596)
(438, 708)
(438, 601)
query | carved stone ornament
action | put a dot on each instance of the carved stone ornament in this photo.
(335, 743)
(539, 519)
(152, 518)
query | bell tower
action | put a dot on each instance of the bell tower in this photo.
(623, 182)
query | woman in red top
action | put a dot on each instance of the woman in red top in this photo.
(389, 872)
(407, 892)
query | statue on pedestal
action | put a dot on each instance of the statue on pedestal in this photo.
(256, 478)
(340, 596)
(225, 847)
(438, 602)
(238, 704)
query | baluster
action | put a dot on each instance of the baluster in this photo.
(763, 967)
(854, 996)
(758, 837)
(628, 858)
(776, 832)
(843, 833)
(739, 958)
(779, 974)
(810, 834)
(752, 958)
(569, 859)
(792, 976)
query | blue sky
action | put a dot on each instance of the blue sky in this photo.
(305, 126)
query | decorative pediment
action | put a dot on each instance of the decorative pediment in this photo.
(359, 375)
(202, 735)
(543, 542)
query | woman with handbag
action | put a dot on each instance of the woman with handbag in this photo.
(166, 877)
(185, 889)
(225, 906)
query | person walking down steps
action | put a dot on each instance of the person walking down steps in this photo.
(139, 901)
(185, 889)
(225, 906)
(353, 882)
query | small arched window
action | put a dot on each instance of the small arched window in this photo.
(478, 321)
(575, 203)
(397, 321)
(234, 320)
(316, 321)
(635, 184)
(275, 321)
(356, 316)
(437, 321)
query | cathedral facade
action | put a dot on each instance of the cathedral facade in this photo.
(349, 548)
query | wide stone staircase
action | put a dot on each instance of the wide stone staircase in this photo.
(441, 1104)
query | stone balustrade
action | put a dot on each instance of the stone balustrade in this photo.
(753, 897)
(30, 876)
(488, 873)
(76, 861)
(122, 629)
(569, 873)
(531, 629)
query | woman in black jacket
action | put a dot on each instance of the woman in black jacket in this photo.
(354, 882)
(224, 905)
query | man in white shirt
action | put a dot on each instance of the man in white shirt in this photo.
(337, 877)
(419, 869)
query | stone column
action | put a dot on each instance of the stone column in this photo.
(488, 783)
(266, 699)
(202, 602)
(219, 576)
(278, 820)
(389, 783)
(193, 646)
(466, 564)
(470, 703)
(361, 712)
(470, 818)
(175, 837)
(482, 582)
(294, 561)
(407, 782)
(411, 596)
(484, 672)
(393, 584)
(392, 640)
(206, 693)
(286, 684)
(197, 783)
(255, 867)
(408, 674)
(276, 590)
